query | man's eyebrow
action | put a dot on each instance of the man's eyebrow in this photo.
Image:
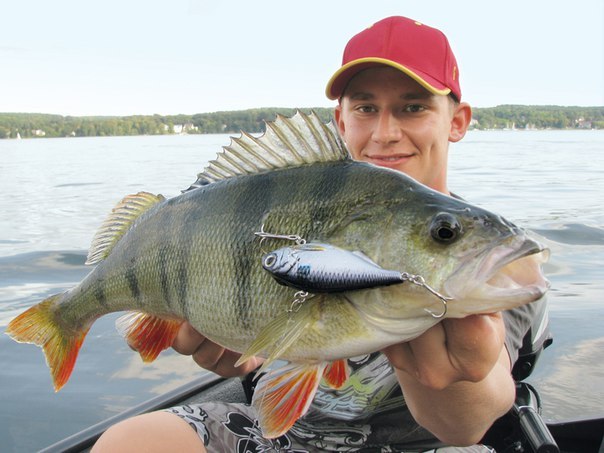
(419, 95)
(361, 96)
(415, 96)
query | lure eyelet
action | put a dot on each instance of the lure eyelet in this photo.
(269, 260)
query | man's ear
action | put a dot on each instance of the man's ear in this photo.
(462, 115)
(337, 115)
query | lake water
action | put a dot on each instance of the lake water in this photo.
(56, 192)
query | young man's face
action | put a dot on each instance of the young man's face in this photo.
(388, 119)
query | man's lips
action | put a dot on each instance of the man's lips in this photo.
(389, 158)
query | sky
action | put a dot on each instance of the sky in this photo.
(126, 57)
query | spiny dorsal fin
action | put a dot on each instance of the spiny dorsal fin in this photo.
(287, 142)
(120, 220)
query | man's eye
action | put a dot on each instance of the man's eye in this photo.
(414, 108)
(365, 108)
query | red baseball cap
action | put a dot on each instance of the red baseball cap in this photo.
(421, 52)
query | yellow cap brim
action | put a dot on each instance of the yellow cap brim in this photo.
(338, 82)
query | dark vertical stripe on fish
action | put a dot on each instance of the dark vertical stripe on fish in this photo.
(164, 279)
(133, 284)
(327, 185)
(174, 253)
(99, 294)
(243, 263)
(182, 279)
(184, 214)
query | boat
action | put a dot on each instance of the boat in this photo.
(521, 430)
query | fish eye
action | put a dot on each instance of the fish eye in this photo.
(445, 228)
(269, 260)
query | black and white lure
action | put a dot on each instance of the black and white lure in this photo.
(323, 268)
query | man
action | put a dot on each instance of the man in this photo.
(399, 107)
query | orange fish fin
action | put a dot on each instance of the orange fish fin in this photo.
(39, 326)
(283, 395)
(148, 334)
(336, 373)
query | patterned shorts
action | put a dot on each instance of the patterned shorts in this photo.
(232, 427)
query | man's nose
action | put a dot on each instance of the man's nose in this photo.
(387, 129)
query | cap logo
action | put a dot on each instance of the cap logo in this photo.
(454, 72)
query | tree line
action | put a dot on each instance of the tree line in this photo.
(538, 117)
(28, 125)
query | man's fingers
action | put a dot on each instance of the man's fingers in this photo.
(475, 343)
(222, 361)
(401, 357)
(208, 355)
(451, 351)
(187, 340)
(226, 366)
(425, 358)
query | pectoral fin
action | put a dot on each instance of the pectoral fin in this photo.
(148, 334)
(282, 396)
(278, 335)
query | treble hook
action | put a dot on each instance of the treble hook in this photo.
(420, 281)
(299, 240)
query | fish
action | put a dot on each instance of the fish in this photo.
(198, 257)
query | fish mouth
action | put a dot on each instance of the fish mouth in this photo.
(505, 276)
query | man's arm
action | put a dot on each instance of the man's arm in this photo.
(456, 377)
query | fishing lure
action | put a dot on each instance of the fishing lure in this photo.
(323, 268)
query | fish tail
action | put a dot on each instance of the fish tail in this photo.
(38, 325)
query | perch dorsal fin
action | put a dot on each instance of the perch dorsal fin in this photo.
(287, 142)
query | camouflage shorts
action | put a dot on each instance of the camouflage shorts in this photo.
(232, 427)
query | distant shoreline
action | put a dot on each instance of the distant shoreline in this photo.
(504, 117)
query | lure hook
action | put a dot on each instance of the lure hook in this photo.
(263, 235)
(420, 281)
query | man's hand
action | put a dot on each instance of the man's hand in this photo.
(456, 377)
(454, 350)
(211, 356)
